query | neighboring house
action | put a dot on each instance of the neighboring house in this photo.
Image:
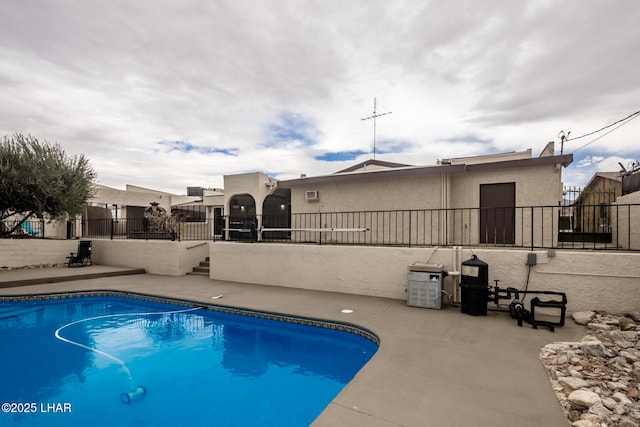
(591, 210)
(474, 196)
(109, 204)
(631, 179)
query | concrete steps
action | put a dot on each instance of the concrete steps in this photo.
(202, 269)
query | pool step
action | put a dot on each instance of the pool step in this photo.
(202, 269)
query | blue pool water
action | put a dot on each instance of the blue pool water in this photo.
(198, 367)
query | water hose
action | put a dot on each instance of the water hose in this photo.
(138, 391)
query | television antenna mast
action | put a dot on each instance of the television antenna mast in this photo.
(374, 117)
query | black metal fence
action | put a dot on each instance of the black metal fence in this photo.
(602, 227)
(142, 228)
(29, 228)
(613, 227)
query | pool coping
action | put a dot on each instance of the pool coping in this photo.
(267, 315)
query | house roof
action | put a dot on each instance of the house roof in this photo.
(616, 176)
(372, 162)
(399, 170)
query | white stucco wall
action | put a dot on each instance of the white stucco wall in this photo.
(535, 186)
(625, 218)
(538, 186)
(369, 194)
(156, 257)
(600, 281)
(24, 252)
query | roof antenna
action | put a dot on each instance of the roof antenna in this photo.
(563, 138)
(374, 117)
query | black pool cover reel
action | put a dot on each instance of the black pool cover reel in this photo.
(476, 294)
(519, 312)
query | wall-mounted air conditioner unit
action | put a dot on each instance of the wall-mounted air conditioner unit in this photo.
(311, 196)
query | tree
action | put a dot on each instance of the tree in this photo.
(38, 178)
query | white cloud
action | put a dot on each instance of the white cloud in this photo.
(112, 79)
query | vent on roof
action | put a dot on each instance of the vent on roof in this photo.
(311, 196)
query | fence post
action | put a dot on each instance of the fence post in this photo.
(111, 231)
(532, 228)
(410, 228)
(320, 233)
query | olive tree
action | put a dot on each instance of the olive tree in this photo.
(38, 179)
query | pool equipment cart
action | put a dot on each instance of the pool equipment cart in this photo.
(424, 285)
(476, 294)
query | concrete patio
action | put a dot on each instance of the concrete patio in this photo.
(433, 367)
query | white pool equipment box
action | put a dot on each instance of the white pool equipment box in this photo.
(424, 285)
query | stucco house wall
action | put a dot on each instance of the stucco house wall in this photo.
(539, 185)
(370, 193)
(626, 219)
(449, 186)
(602, 189)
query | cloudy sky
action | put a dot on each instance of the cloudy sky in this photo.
(170, 94)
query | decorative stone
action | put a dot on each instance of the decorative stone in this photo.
(596, 348)
(605, 368)
(556, 346)
(600, 410)
(600, 327)
(622, 398)
(614, 385)
(583, 317)
(584, 423)
(609, 403)
(627, 422)
(584, 398)
(572, 383)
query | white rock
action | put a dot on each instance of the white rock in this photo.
(584, 398)
(616, 385)
(599, 409)
(600, 327)
(609, 403)
(583, 317)
(559, 346)
(572, 383)
(622, 398)
(584, 423)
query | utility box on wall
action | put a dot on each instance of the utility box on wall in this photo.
(424, 285)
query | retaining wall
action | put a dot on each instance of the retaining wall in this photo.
(592, 280)
(156, 257)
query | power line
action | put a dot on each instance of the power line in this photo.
(603, 128)
(633, 116)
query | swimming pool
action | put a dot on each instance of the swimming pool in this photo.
(118, 361)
